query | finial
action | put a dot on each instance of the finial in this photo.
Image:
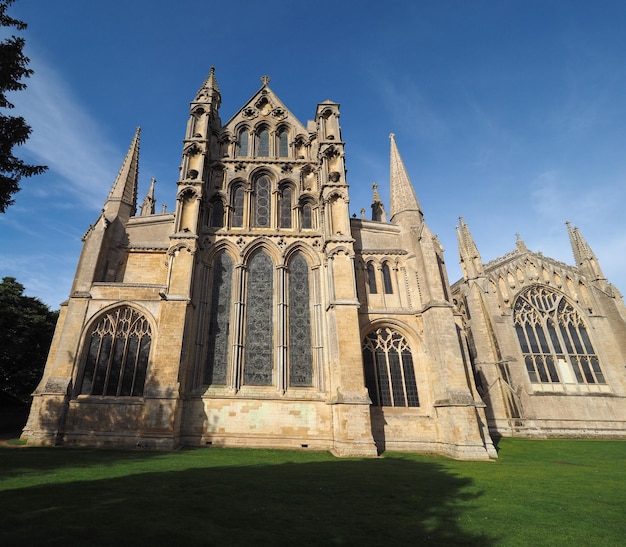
(392, 135)
(265, 80)
(362, 213)
(212, 70)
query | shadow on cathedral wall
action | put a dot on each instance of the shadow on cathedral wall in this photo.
(344, 502)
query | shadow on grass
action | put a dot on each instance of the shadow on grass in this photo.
(336, 502)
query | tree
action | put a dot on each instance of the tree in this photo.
(14, 131)
(26, 329)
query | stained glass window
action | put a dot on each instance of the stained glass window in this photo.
(258, 354)
(306, 219)
(554, 339)
(387, 279)
(219, 321)
(300, 356)
(243, 143)
(117, 356)
(389, 371)
(262, 202)
(283, 144)
(285, 208)
(238, 202)
(264, 143)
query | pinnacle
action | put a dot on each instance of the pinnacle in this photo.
(403, 196)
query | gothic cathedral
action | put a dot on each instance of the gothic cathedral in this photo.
(259, 314)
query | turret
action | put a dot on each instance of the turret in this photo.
(585, 259)
(122, 200)
(471, 262)
(403, 199)
(378, 209)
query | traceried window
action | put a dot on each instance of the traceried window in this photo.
(263, 149)
(300, 358)
(243, 143)
(117, 355)
(285, 208)
(389, 372)
(371, 278)
(262, 202)
(283, 144)
(554, 339)
(219, 320)
(237, 207)
(387, 279)
(258, 359)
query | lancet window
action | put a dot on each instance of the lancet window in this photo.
(262, 198)
(285, 207)
(387, 279)
(238, 201)
(299, 318)
(371, 278)
(389, 371)
(118, 347)
(554, 339)
(263, 143)
(306, 216)
(283, 143)
(243, 143)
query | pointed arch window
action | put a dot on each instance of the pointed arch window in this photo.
(258, 354)
(299, 317)
(243, 143)
(387, 285)
(283, 143)
(306, 217)
(117, 355)
(389, 371)
(371, 278)
(262, 202)
(219, 320)
(237, 206)
(285, 207)
(263, 149)
(217, 214)
(554, 339)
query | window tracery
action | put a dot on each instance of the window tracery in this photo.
(117, 355)
(554, 339)
(389, 371)
(300, 356)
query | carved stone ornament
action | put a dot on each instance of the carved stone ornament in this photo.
(192, 174)
(334, 176)
(241, 242)
(250, 113)
(192, 150)
(287, 168)
(240, 166)
(279, 113)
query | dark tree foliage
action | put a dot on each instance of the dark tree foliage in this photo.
(14, 130)
(26, 329)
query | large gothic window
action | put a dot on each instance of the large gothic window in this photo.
(219, 321)
(389, 372)
(300, 358)
(237, 207)
(117, 355)
(554, 339)
(262, 202)
(258, 358)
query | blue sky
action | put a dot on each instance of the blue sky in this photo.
(511, 114)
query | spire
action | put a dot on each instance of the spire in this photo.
(471, 262)
(583, 255)
(402, 193)
(124, 189)
(147, 207)
(378, 209)
(210, 90)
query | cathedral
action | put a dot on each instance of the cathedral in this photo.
(258, 313)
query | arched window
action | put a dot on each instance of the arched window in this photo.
(258, 354)
(554, 339)
(371, 278)
(285, 208)
(262, 202)
(263, 149)
(219, 320)
(243, 143)
(117, 356)
(389, 372)
(387, 279)
(306, 219)
(237, 207)
(300, 357)
(217, 214)
(283, 144)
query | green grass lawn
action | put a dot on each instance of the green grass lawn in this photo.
(549, 492)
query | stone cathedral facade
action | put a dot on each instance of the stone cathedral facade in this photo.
(260, 314)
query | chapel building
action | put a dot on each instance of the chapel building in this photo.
(259, 314)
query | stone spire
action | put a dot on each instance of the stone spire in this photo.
(471, 262)
(403, 196)
(378, 208)
(210, 91)
(147, 207)
(122, 200)
(583, 255)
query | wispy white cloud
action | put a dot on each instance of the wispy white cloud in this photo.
(65, 137)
